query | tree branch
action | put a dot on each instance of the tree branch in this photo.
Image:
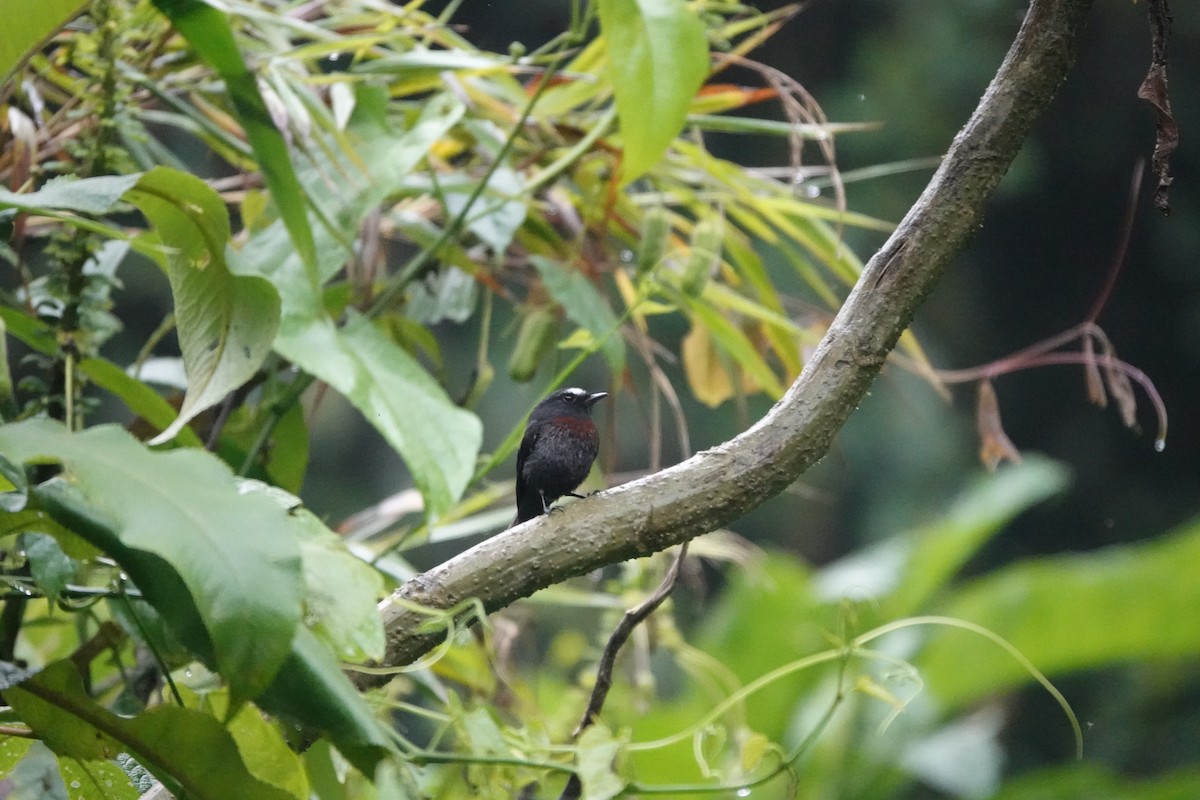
(718, 485)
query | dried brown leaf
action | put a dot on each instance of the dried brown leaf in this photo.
(1091, 371)
(1154, 90)
(994, 444)
(1121, 389)
(706, 374)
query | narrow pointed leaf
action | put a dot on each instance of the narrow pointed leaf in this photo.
(83, 195)
(585, 306)
(207, 30)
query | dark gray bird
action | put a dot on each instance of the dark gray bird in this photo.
(557, 451)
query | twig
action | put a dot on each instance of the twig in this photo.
(1122, 244)
(604, 670)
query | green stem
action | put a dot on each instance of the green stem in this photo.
(573, 154)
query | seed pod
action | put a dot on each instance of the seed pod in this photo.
(706, 244)
(534, 339)
(656, 226)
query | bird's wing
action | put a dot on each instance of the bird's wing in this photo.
(528, 441)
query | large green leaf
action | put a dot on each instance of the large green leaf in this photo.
(1071, 612)
(27, 23)
(340, 589)
(187, 747)
(341, 593)
(225, 322)
(657, 60)
(179, 513)
(312, 689)
(207, 30)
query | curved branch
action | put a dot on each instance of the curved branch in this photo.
(718, 485)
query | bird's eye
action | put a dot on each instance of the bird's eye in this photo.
(570, 398)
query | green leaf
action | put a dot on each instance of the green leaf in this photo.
(83, 195)
(96, 780)
(55, 705)
(341, 590)
(341, 593)
(594, 763)
(207, 30)
(938, 551)
(266, 754)
(312, 689)
(175, 743)
(27, 23)
(28, 330)
(437, 440)
(50, 566)
(225, 322)
(585, 307)
(657, 60)
(181, 510)
(1069, 613)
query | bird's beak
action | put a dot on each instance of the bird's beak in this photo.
(592, 398)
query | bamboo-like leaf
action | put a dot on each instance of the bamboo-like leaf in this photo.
(734, 342)
(207, 30)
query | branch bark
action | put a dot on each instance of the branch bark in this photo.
(718, 485)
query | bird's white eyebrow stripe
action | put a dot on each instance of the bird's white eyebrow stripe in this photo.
(575, 391)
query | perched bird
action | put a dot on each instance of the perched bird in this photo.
(557, 451)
